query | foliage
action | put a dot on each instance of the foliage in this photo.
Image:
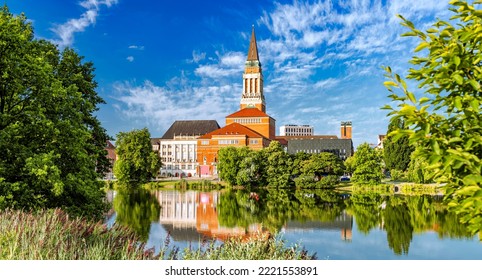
(398, 175)
(368, 167)
(418, 170)
(251, 171)
(350, 165)
(445, 122)
(136, 161)
(279, 165)
(51, 143)
(229, 163)
(396, 152)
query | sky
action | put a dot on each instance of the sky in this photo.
(161, 61)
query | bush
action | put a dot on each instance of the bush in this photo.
(398, 175)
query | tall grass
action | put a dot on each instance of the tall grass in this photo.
(258, 247)
(53, 235)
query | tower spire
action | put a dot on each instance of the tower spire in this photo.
(253, 79)
(253, 48)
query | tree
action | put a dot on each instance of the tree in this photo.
(51, 144)
(323, 164)
(278, 165)
(136, 162)
(251, 170)
(229, 163)
(368, 166)
(396, 152)
(445, 122)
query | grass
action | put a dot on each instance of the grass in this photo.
(54, 235)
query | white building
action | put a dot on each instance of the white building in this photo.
(296, 130)
(178, 147)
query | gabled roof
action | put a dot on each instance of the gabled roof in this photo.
(248, 112)
(155, 141)
(233, 129)
(253, 48)
(190, 128)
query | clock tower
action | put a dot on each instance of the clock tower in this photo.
(252, 96)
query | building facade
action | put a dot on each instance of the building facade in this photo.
(315, 144)
(178, 147)
(296, 130)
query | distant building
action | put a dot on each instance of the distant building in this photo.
(345, 130)
(296, 130)
(315, 144)
(381, 138)
(112, 157)
(178, 147)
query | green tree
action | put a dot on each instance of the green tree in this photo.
(136, 162)
(323, 164)
(368, 166)
(418, 170)
(229, 163)
(251, 170)
(51, 144)
(445, 122)
(278, 165)
(396, 152)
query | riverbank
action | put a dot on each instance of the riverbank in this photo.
(53, 235)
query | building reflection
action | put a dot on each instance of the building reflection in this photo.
(192, 215)
(342, 223)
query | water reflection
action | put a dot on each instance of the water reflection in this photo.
(191, 216)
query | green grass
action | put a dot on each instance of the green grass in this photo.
(54, 235)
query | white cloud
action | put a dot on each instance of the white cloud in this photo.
(135, 47)
(159, 106)
(66, 31)
(226, 65)
(130, 58)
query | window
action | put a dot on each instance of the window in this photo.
(253, 141)
(228, 142)
(205, 142)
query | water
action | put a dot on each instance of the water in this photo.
(335, 226)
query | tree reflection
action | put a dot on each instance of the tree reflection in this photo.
(401, 216)
(136, 209)
(273, 208)
(398, 225)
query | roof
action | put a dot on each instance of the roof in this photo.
(248, 112)
(253, 48)
(233, 129)
(303, 137)
(191, 128)
(109, 145)
(155, 141)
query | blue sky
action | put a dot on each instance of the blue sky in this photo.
(161, 61)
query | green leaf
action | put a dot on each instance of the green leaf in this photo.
(390, 84)
(472, 179)
(411, 96)
(458, 79)
(421, 46)
(456, 61)
(436, 147)
(474, 84)
(458, 103)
